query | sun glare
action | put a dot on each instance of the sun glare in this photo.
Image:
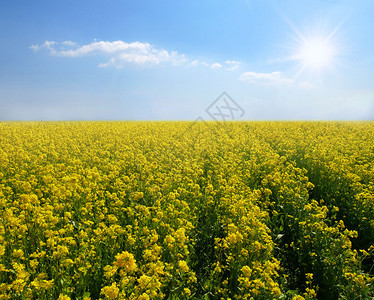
(315, 50)
(315, 53)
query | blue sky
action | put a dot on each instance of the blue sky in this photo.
(169, 60)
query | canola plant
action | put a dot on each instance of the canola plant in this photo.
(186, 210)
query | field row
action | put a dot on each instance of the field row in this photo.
(182, 210)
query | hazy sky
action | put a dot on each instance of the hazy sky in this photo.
(169, 60)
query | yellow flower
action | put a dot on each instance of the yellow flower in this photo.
(18, 254)
(110, 292)
(180, 235)
(143, 296)
(247, 271)
(109, 271)
(169, 240)
(187, 291)
(298, 298)
(144, 281)
(126, 261)
(183, 266)
(309, 276)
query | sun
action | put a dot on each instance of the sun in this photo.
(315, 50)
(315, 53)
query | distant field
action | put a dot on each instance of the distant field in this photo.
(182, 210)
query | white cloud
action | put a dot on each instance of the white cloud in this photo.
(232, 64)
(69, 43)
(111, 62)
(46, 45)
(193, 63)
(232, 68)
(274, 78)
(197, 63)
(215, 66)
(281, 60)
(119, 52)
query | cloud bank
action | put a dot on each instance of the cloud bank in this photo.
(265, 78)
(120, 53)
(273, 78)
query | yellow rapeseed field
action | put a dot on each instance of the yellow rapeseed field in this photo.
(186, 210)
